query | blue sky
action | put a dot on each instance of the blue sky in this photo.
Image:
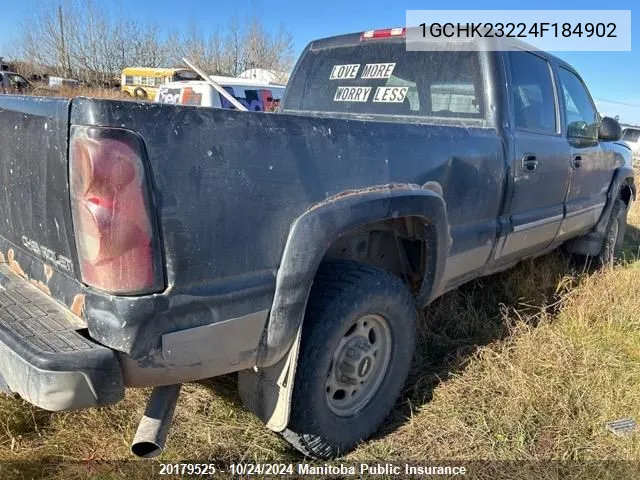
(612, 76)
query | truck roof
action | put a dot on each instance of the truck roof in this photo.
(356, 38)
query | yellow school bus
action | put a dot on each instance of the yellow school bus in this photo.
(143, 82)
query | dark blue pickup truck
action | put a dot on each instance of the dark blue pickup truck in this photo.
(150, 245)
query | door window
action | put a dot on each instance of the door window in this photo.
(582, 117)
(532, 93)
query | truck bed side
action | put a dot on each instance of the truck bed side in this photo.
(226, 187)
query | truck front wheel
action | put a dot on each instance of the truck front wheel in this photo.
(357, 347)
(614, 235)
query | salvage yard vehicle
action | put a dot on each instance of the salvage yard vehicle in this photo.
(146, 244)
(631, 136)
(254, 95)
(143, 82)
(11, 82)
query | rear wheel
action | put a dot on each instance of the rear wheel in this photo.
(357, 347)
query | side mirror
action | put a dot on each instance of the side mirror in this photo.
(609, 130)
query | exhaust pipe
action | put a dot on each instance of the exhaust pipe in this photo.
(154, 425)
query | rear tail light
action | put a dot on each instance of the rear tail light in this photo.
(115, 235)
(383, 33)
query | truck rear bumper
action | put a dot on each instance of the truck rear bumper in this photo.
(43, 355)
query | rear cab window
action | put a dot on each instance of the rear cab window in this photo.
(383, 78)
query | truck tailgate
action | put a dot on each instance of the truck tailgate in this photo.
(36, 235)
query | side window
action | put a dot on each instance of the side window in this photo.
(412, 93)
(582, 117)
(532, 93)
(452, 97)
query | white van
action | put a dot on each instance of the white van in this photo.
(253, 94)
(631, 136)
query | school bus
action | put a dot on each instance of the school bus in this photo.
(143, 82)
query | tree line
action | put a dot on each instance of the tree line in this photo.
(80, 39)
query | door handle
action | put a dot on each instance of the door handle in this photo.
(577, 161)
(529, 162)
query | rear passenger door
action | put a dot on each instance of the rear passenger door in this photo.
(540, 166)
(592, 166)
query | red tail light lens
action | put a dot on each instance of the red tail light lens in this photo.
(113, 228)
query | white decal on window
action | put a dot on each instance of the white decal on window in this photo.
(390, 94)
(344, 72)
(352, 94)
(378, 70)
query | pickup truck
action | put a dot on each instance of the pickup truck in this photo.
(148, 245)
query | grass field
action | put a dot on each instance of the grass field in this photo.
(95, 92)
(524, 365)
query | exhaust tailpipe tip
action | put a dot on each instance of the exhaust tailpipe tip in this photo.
(153, 429)
(146, 449)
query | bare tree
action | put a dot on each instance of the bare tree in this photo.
(79, 38)
(264, 50)
(233, 50)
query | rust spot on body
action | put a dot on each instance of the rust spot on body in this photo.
(376, 188)
(77, 306)
(14, 265)
(41, 286)
(1, 258)
(48, 272)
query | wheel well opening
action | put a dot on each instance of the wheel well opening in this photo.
(397, 246)
(626, 194)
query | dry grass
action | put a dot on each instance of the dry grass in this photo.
(95, 92)
(524, 365)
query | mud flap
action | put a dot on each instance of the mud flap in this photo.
(267, 392)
